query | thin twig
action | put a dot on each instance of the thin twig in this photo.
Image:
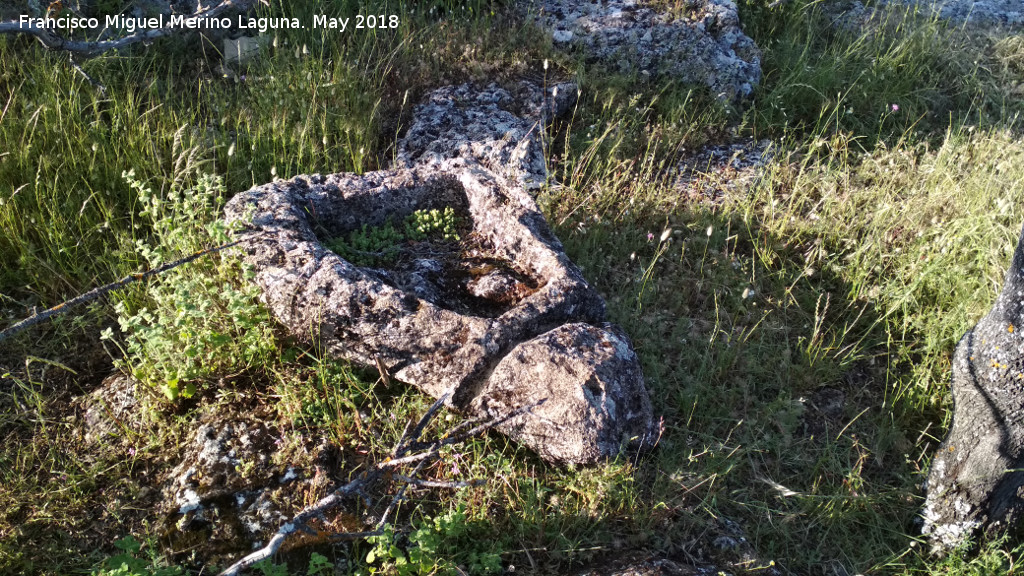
(100, 291)
(404, 444)
(77, 68)
(366, 479)
(436, 483)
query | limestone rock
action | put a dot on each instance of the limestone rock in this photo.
(490, 126)
(226, 488)
(987, 15)
(976, 479)
(588, 376)
(703, 45)
(239, 51)
(1007, 14)
(453, 317)
(110, 410)
(718, 170)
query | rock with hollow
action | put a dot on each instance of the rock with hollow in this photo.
(499, 317)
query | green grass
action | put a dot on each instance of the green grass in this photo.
(873, 239)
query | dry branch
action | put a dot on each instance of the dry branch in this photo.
(50, 37)
(408, 450)
(95, 293)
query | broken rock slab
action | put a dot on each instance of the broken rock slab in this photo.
(499, 319)
(976, 481)
(698, 42)
(587, 376)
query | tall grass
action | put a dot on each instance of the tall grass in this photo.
(795, 333)
(877, 75)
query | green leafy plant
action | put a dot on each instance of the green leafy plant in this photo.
(131, 563)
(433, 223)
(201, 319)
(376, 245)
(436, 546)
(319, 565)
(268, 568)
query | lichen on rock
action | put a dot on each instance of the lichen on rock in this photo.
(704, 45)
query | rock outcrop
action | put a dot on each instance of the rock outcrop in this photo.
(980, 13)
(500, 318)
(697, 42)
(976, 479)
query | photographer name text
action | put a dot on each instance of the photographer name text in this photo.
(180, 21)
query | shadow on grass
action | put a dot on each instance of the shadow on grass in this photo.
(775, 387)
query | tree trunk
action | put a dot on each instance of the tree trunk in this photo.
(976, 479)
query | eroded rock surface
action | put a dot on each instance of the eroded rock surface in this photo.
(593, 419)
(111, 409)
(987, 15)
(228, 485)
(699, 41)
(717, 170)
(494, 127)
(976, 479)
(501, 312)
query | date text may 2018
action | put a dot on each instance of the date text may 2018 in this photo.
(360, 21)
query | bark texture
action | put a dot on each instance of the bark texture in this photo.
(977, 477)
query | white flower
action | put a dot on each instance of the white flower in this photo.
(666, 234)
(710, 230)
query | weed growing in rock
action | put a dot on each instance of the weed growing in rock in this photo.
(377, 245)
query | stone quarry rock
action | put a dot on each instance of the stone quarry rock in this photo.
(110, 410)
(715, 171)
(987, 15)
(588, 374)
(976, 479)
(500, 319)
(700, 42)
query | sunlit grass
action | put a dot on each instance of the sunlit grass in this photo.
(795, 333)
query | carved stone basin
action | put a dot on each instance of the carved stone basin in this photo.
(526, 327)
